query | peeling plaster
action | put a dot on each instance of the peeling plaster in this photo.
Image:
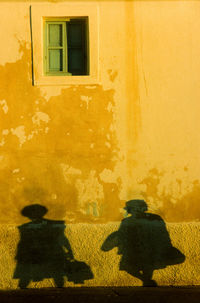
(40, 116)
(110, 107)
(4, 105)
(108, 144)
(176, 201)
(16, 170)
(89, 190)
(46, 130)
(52, 147)
(112, 75)
(20, 133)
(69, 172)
(2, 142)
(5, 132)
(107, 176)
(20, 179)
(86, 99)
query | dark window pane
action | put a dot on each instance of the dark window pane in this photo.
(77, 46)
(76, 61)
(75, 35)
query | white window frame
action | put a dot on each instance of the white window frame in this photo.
(38, 14)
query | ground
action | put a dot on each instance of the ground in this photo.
(103, 294)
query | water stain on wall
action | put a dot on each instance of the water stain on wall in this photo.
(181, 207)
(40, 137)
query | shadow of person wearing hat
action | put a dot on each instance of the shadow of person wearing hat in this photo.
(44, 251)
(143, 243)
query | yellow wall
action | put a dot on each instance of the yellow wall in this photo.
(84, 150)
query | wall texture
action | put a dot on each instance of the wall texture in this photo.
(82, 151)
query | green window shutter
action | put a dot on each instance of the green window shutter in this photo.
(55, 60)
(55, 48)
(66, 47)
(55, 34)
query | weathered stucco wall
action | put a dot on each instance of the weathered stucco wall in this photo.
(84, 150)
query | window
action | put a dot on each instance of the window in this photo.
(65, 47)
(65, 43)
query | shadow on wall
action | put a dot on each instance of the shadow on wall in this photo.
(44, 251)
(144, 243)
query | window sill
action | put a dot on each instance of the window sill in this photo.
(65, 80)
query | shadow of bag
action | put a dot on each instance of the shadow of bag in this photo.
(78, 272)
(174, 256)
